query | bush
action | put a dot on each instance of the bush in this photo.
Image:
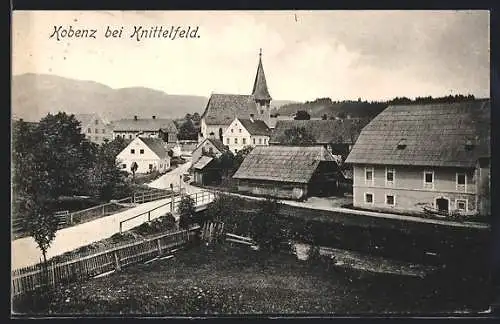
(186, 211)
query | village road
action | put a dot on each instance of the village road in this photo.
(25, 251)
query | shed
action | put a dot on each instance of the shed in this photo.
(205, 171)
(289, 172)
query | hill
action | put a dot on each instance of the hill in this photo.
(359, 108)
(35, 95)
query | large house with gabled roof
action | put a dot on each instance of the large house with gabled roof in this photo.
(146, 127)
(244, 132)
(222, 109)
(424, 157)
(150, 154)
(95, 128)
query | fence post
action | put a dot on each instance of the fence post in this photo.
(149, 216)
(53, 274)
(120, 227)
(117, 262)
(159, 246)
(103, 211)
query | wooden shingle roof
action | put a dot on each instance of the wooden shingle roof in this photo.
(324, 131)
(202, 162)
(255, 127)
(157, 145)
(447, 135)
(282, 163)
(222, 109)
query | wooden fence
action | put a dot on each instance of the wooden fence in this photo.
(94, 263)
(212, 231)
(152, 195)
(200, 199)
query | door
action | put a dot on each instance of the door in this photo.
(442, 204)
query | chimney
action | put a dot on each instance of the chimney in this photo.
(154, 117)
(211, 135)
(135, 117)
(251, 117)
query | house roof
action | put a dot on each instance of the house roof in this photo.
(202, 162)
(260, 90)
(282, 163)
(426, 135)
(157, 145)
(255, 127)
(166, 125)
(222, 109)
(215, 142)
(324, 131)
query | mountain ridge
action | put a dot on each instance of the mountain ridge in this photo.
(35, 95)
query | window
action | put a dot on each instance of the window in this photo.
(244, 141)
(130, 136)
(132, 151)
(210, 150)
(235, 141)
(389, 200)
(369, 198)
(96, 122)
(461, 204)
(461, 181)
(227, 141)
(150, 167)
(232, 130)
(103, 131)
(368, 174)
(96, 131)
(240, 130)
(141, 151)
(254, 140)
(428, 177)
(265, 141)
(89, 130)
(260, 140)
(124, 166)
(389, 176)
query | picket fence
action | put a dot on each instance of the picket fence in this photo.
(94, 263)
(212, 231)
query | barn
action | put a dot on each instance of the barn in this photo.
(288, 172)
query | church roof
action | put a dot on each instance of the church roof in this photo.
(222, 109)
(260, 90)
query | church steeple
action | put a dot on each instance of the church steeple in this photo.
(260, 91)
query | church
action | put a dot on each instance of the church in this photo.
(222, 109)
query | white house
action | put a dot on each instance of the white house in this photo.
(150, 154)
(246, 132)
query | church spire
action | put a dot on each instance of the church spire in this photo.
(260, 91)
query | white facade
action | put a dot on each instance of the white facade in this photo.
(147, 160)
(207, 129)
(236, 137)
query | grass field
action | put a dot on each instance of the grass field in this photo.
(234, 280)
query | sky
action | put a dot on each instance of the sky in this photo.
(373, 55)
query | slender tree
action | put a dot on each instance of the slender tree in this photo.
(187, 211)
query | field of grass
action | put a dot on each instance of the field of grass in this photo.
(235, 280)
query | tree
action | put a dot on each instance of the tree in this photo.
(302, 115)
(240, 156)
(226, 162)
(186, 212)
(187, 131)
(298, 136)
(42, 225)
(267, 229)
